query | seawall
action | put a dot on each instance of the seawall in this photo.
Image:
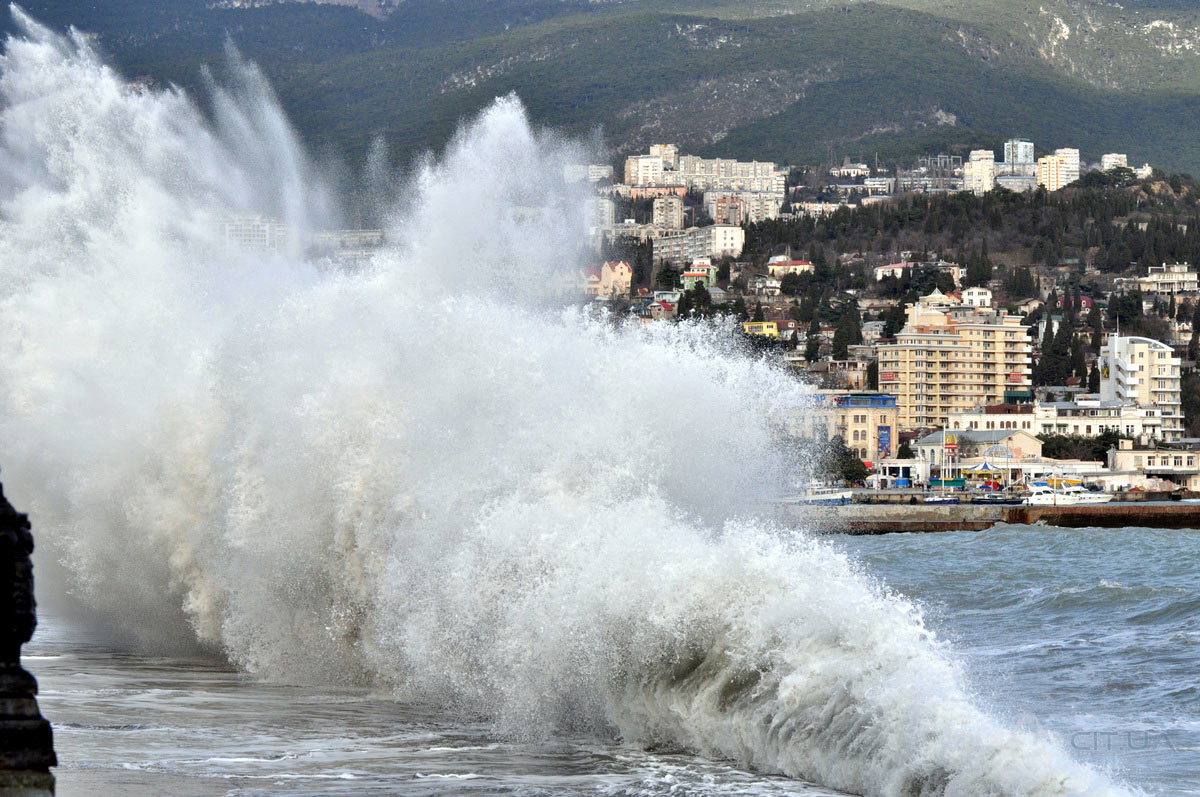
(896, 517)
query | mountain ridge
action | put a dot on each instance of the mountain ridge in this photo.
(786, 81)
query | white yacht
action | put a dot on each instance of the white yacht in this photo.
(1064, 495)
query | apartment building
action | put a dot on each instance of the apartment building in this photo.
(751, 206)
(979, 172)
(1058, 170)
(1018, 151)
(1088, 416)
(684, 246)
(1145, 372)
(255, 233)
(951, 357)
(1113, 160)
(664, 166)
(668, 212)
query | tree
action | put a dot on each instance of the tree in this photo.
(842, 463)
(758, 312)
(1096, 322)
(739, 309)
(1194, 343)
(847, 333)
(667, 277)
(1093, 384)
(873, 375)
(905, 451)
(812, 350)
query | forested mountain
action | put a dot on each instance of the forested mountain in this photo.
(788, 80)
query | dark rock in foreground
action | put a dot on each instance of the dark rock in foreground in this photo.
(26, 741)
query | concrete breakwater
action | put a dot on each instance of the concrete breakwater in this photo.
(915, 496)
(896, 517)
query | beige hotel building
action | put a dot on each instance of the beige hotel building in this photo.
(951, 357)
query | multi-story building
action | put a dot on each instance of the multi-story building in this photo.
(867, 422)
(977, 297)
(1018, 151)
(668, 212)
(1058, 170)
(1145, 372)
(1070, 157)
(684, 246)
(255, 233)
(601, 212)
(669, 154)
(1178, 465)
(611, 279)
(1087, 416)
(644, 170)
(951, 357)
(1113, 160)
(979, 172)
(1052, 172)
(726, 174)
(752, 206)
(1169, 279)
(700, 272)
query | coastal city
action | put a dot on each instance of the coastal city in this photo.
(974, 325)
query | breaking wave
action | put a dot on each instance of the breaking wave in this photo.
(419, 474)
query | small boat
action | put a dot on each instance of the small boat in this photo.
(822, 496)
(938, 498)
(996, 498)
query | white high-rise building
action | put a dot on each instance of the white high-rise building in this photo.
(1146, 372)
(1070, 169)
(669, 154)
(668, 212)
(979, 172)
(1113, 160)
(1018, 151)
(643, 170)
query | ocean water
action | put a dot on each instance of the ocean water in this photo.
(1089, 636)
(307, 528)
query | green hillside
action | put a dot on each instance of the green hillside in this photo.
(789, 81)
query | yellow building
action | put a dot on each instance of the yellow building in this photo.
(769, 329)
(867, 422)
(1050, 172)
(951, 357)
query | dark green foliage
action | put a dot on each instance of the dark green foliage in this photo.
(1074, 446)
(842, 463)
(667, 277)
(1190, 395)
(847, 333)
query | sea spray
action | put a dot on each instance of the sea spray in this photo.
(419, 475)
